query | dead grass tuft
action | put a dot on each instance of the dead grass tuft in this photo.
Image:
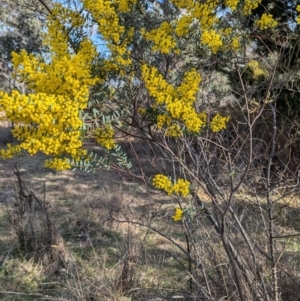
(36, 234)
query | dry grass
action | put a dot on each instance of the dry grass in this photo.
(110, 262)
(112, 259)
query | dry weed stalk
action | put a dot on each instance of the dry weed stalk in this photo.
(126, 273)
(37, 235)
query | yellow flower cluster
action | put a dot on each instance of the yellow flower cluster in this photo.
(45, 123)
(142, 111)
(173, 131)
(189, 86)
(120, 55)
(212, 39)
(218, 123)
(58, 164)
(162, 120)
(235, 43)
(107, 18)
(124, 6)
(198, 15)
(226, 32)
(232, 4)
(57, 39)
(202, 13)
(230, 39)
(163, 182)
(249, 5)
(106, 13)
(184, 4)
(105, 137)
(68, 75)
(157, 86)
(257, 72)
(161, 37)
(177, 101)
(177, 217)
(47, 119)
(183, 25)
(57, 35)
(10, 152)
(205, 13)
(181, 187)
(266, 21)
(193, 121)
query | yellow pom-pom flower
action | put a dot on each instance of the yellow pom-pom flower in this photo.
(163, 182)
(232, 4)
(177, 217)
(174, 131)
(212, 39)
(182, 187)
(298, 10)
(266, 21)
(10, 152)
(105, 137)
(257, 72)
(218, 123)
(58, 164)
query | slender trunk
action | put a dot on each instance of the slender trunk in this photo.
(271, 208)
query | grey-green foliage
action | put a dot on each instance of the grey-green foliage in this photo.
(21, 27)
(115, 157)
